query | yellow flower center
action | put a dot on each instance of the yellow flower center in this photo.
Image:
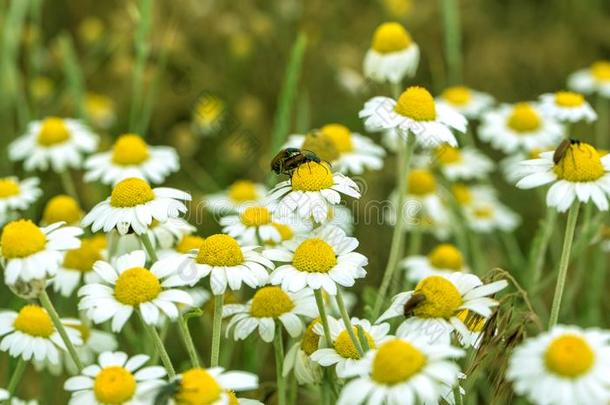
(34, 321)
(114, 385)
(473, 321)
(580, 163)
(53, 132)
(83, 258)
(322, 145)
(535, 153)
(255, 216)
(208, 110)
(311, 340)
(421, 182)
(390, 37)
(314, 256)
(524, 118)
(442, 298)
(397, 361)
(131, 192)
(569, 99)
(312, 176)
(232, 400)
(220, 250)
(446, 256)
(448, 154)
(8, 188)
(243, 190)
(341, 136)
(136, 285)
(130, 149)
(461, 193)
(98, 105)
(62, 208)
(484, 212)
(198, 387)
(188, 243)
(285, 231)
(601, 70)
(270, 302)
(416, 103)
(457, 95)
(22, 238)
(84, 330)
(345, 347)
(569, 356)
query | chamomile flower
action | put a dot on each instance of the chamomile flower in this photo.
(116, 379)
(444, 297)
(467, 163)
(595, 79)
(566, 365)
(521, 126)
(486, 216)
(269, 304)
(127, 285)
(311, 191)
(475, 325)
(343, 354)
(95, 342)
(132, 157)
(414, 113)
(133, 205)
(404, 371)
(512, 166)
(30, 334)
(567, 106)
(242, 193)
(323, 260)
(252, 226)
(32, 253)
(164, 235)
(78, 264)
(62, 208)
(100, 110)
(208, 115)
(581, 174)
(59, 143)
(470, 103)
(17, 194)
(392, 56)
(298, 359)
(443, 259)
(341, 217)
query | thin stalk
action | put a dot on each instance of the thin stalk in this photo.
(216, 329)
(323, 318)
(602, 127)
(278, 345)
(142, 47)
(160, 348)
(46, 303)
(16, 377)
(540, 246)
(148, 246)
(563, 263)
(453, 40)
(68, 185)
(348, 324)
(73, 73)
(187, 339)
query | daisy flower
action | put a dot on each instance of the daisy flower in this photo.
(32, 253)
(132, 157)
(185, 245)
(466, 163)
(512, 166)
(470, 103)
(521, 126)
(242, 193)
(321, 261)
(475, 325)
(414, 113)
(268, 305)
(17, 194)
(343, 354)
(441, 298)
(30, 334)
(393, 54)
(116, 379)
(566, 365)
(62, 208)
(100, 110)
(581, 174)
(405, 371)
(567, 106)
(95, 342)
(127, 285)
(78, 264)
(60, 143)
(595, 79)
(298, 358)
(133, 205)
(311, 191)
(486, 216)
(341, 217)
(443, 259)
(208, 115)
(252, 226)
(163, 235)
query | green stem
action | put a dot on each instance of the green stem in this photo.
(142, 47)
(216, 329)
(68, 185)
(348, 324)
(160, 348)
(187, 338)
(16, 376)
(278, 345)
(73, 74)
(453, 40)
(602, 127)
(563, 263)
(148, 246)
(540, 246)
(323, 318)
(45, 301)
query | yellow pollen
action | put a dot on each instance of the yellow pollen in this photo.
(322, 145)
(62, 208)
(446, 256)
(345, 347)
(311, 340)
(483, 212)
(34, 321)
(416, 103)
(473, 321)
(457, 95)
(188, 243)
(461, 193)
(341, 136)
(255, 216)
(242, 191)
(580, 163)
(314, 256)
(22, 238)
(569, 356)
(208, 110)
(524, 118)
(130, 149)
(270, 302)
(442, 298)
(131, 192)
(220, 250)
(83, 258)
(198, 387)
(601, 70)
(312, 176)
(397, 361)
(8, 188)
(421, 182)
(390, 37)
(569, 99)
(114, 385)
(448, 154)
(136, 285)
(52, 132)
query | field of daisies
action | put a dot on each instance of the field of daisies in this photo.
(285, 202)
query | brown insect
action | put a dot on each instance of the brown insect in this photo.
(414, 301)
(562, 149)
(289, 159)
